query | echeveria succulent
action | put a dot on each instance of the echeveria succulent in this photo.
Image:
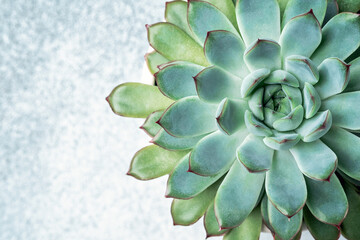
(255, 116)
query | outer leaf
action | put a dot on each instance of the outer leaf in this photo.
(258, 19)
(303, 69)
(327, 200)
(346, 147)
(301, 36)
(350, 227)
(349, 5)
(354, 83)
(128, 100)
(331, 10)
(174, 44)
(210, 223)
(176, 13)
(167, 141)
(237, 196)
(150, 126)
(152, 162)
(230, 115)
(255, 126)
(184, 185)
(153, 60)
(305, 154)
(250, 229)
(315, 127)
(345, 110)
(341, 37)
(265, 214)
(263, 53)
(218, 53)
(189, 117)
(297, 7)
(227, 7)
(204, 17)
(285, 175)
(312, 100)
(253, 80)
(282, 141)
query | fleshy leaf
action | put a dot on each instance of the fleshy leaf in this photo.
(189, 117)
(303, 69)
(174, 44)
(255, 126)
(263, 53)
(254, 154)
(150, 126)
(301, 36)
(285, 175)
(210, 223)
(282, 141)
(346, 147)
(258, 19)
(315, 127)
(331, 10)
(137, 100)
(250, 229)
(341, 37)
(227, 7)
(152, 162)
(237, 196)
(214, 84)
(153, 60)
(265, 213)
(312, 100)
(315, 159)
(334, 77)
(176, 13)
(256, 104)
(349, 5)
(218, 52)
(271, 116)
(167, 141)
(354, 83)
(253, 80)
(291, 121)
(282, 77)
(327, 200)
(294, 96)
(185, 185)
(204, 17)
(350, 227)
(230, 115)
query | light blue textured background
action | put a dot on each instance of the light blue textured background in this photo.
(63, 153)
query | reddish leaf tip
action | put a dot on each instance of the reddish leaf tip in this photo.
(107, 99)
(147, 26)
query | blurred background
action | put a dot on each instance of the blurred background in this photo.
(63, 154)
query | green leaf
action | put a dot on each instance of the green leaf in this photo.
(312, 100)
(250, 229)
(331, 10)
(189, 117)
(282, 141)
(346, 147)
(152, 162)
(210, 223)
(189, 211)
(153, 60)
(167, 141)
(230, 59)
(185, 185)
(282, 77)
(175, 80)
(254, 154)
(291, 121)
(293, 95)
(327, 200)
(315, 127)
(284, 174)
(150, 126)
(350, 227)
(263, 53)
(137, 100)
(303, 69)
(300, 36)
(349, 5)
(341, 37)
(230, 115)
(334, 77)
(265, 213)
(354, 83)
(204, 17)
(255, 126)
(271, 115)
(258, 19)
(214, 84)
(176, 13)
(237, 196)
(174, 44)
(325, 164)
(253, 80)
(256, 104)
(297, 7)
(227, 7)
(320, 230)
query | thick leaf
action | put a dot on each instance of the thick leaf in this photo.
(230, 115)
(250, 229)
(282, 141)
(204, 17)
(174, 44)
(227, 7)
(214, 84)
(282, 77)
(291, 121)
(293, 95)
(176, 81)
(334, 77)
(320, 169)
(327, 200)
(167, 141)
(256, 103)
(211, 224)
(153, 60)
(346, 147)
(312, 100)
(187, 212)
(341, 37)
(349, 5)
(189, 117)
(265, 213)
(254, 154)
(271, 115)
(285, 175)
(185, 185)
(354, 83)
(150, 126)
(303, 69)
(237, 196)
(218, 52)
(137, 100)
(263, 53)
(345, 110)
(331, 10)
(153, 162)
(315, 127)
(320, 230)
(300, 36)
(255, 126)
(350, 227)
(253, 80)
(297, 7)
(258, 19)
(176, 13)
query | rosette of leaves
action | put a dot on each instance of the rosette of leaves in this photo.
(255, 116)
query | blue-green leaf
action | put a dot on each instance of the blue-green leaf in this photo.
(176, 13)
(255, 126)
(354, 83)
(167, 141)
(303, 69)
(230, 115)
(332, 10)
(315, 127)
(312, 100)
(282, 77)
(350, 227)
(263, 53)
(150, 126)
(282, 141)
(211, 224)
(253, 80)
(290, 121)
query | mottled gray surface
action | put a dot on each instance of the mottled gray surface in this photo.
(63, 153)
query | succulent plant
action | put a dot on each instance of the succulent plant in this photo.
(255, 116)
